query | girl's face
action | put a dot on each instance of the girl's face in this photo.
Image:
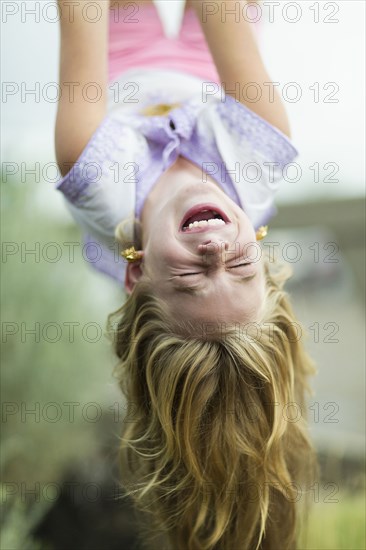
(207, 272)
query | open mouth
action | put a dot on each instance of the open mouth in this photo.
(203, 216)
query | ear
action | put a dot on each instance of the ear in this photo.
(133, 275)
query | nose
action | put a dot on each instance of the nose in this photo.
(213, 251)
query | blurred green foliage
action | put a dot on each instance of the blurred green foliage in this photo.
(336, 525)
(52, 366)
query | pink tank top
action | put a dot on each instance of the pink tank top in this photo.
(139, 41)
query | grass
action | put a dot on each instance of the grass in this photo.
(336, 525)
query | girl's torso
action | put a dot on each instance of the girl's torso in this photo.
(139, 3)
(160, 35)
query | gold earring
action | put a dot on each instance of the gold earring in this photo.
(131, 254)
(262, 232)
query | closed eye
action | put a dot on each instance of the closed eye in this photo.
(199, 272)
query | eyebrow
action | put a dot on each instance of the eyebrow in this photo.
(194, 290)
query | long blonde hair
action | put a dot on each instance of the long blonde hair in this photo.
(211, 451)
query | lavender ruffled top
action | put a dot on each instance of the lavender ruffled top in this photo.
(129, 151)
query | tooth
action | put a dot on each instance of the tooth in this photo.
(203, 223)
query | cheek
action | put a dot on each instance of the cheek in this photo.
(250, 232)
(160, 254)
(170, 253)
(260, 297)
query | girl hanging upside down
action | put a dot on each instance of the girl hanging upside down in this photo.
(170, 167)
